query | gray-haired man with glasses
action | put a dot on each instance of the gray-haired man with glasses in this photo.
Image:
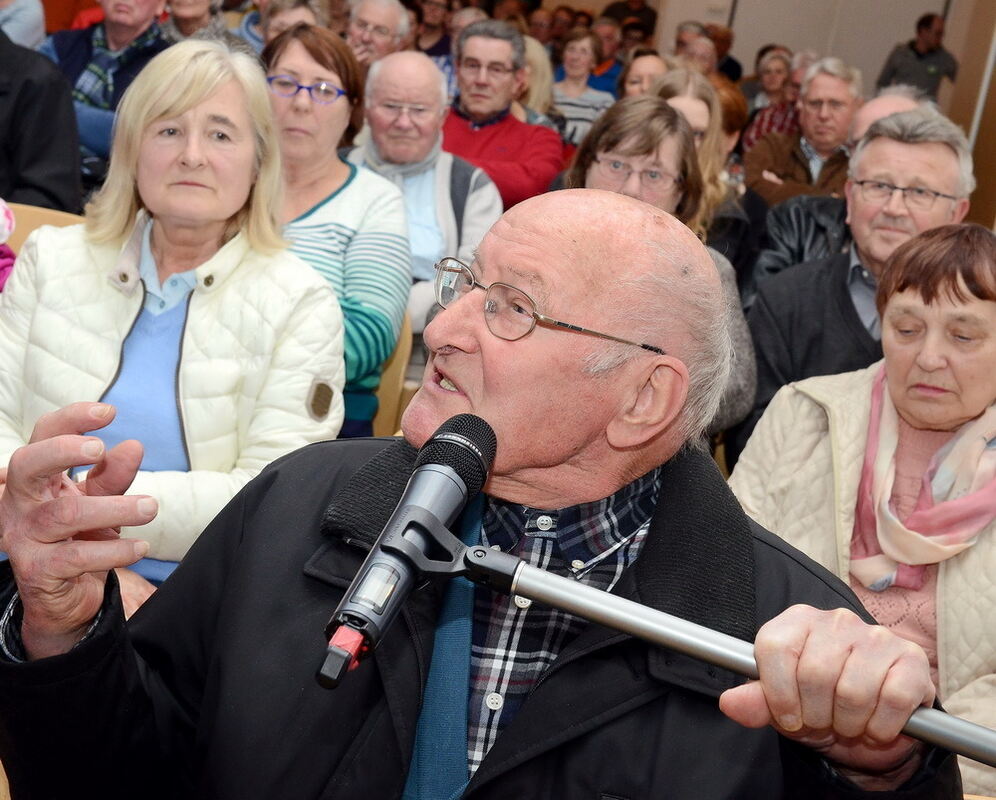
(376, 28)
(591, 332)
(521, 159)
(911, 171)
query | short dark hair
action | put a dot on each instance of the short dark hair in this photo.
(926, 21)
(943, 261)
(642, 122)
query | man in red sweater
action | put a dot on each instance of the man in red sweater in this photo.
(521, 159)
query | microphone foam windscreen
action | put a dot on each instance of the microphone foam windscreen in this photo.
(466, 444)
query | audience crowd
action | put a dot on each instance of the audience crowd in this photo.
(250, 249)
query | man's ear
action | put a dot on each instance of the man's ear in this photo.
(848, 192)
(652, 405)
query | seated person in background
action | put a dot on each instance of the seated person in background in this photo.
(100, 62)
(887, 476)
(722, 214)
(211, 686)
(643, 148)
(449, 203)
(178, 302)
(640, 72)
(200, 19)
(250, 28)
(686, 33)
(572, 95)
(40, 154)
(623, 10)
(722, 37)
(810, 227)
(346, 222)
(432, 38)
(521, 159)
(912, 171)
(283, 14)
(774, 71)
(23, 21)
(815, 160)
(376, 28)
(781, 117)
(605, 74)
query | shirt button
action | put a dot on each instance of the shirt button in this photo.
(544, 522)
(162, 304)
(522, 602)
(123, 277)
(577, 564)
(494, 701)
(209, 280)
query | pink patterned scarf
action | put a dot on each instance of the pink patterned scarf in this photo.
(957, 499)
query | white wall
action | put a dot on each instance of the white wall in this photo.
(862, 32)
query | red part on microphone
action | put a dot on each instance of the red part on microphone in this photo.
(352, 642)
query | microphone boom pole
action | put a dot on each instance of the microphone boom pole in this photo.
(505, 572)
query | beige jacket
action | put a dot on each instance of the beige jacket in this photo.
(260, 374)
(798, 476)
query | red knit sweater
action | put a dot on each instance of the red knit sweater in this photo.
(521, 159)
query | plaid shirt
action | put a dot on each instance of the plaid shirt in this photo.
(95, 84)
(513, 641)
(781, 118)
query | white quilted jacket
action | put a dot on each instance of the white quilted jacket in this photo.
(262, 332)
(798, 476)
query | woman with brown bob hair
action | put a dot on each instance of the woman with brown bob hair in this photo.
(348, 223)
(643, 148)
(887, 476)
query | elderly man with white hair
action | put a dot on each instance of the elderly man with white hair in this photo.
(376, 29)
(813, 161)
(450, 203)
(597, 353)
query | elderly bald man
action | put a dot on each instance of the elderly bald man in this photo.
(598, 354)
(450, 204)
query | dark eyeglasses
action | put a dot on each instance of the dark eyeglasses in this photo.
(322, 92)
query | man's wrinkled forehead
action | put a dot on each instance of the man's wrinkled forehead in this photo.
(492, 264)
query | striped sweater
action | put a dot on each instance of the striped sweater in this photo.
(357, 240)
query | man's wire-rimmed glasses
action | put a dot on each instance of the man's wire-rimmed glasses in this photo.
(509, 312)
(915, 197)
(321, 92)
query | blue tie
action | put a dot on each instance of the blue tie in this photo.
(438, 768)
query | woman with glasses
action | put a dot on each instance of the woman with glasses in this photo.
(178, 305)
(643, 148)
(347, 222)
(575, 99)
(887, 476)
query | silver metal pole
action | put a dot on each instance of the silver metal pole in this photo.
(926, 724)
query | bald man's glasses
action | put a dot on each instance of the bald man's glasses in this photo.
(510, 313)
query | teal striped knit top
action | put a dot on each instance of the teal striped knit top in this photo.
(357, 238)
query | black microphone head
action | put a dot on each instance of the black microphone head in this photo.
(467, 445)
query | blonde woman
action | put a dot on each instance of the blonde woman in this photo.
(177, 305)
(535, 103)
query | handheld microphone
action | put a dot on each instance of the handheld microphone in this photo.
(450, 469)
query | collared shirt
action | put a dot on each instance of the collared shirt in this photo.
(474, 124)
(160, 298)
(514, 641)
(816, 161)
(861, 285)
